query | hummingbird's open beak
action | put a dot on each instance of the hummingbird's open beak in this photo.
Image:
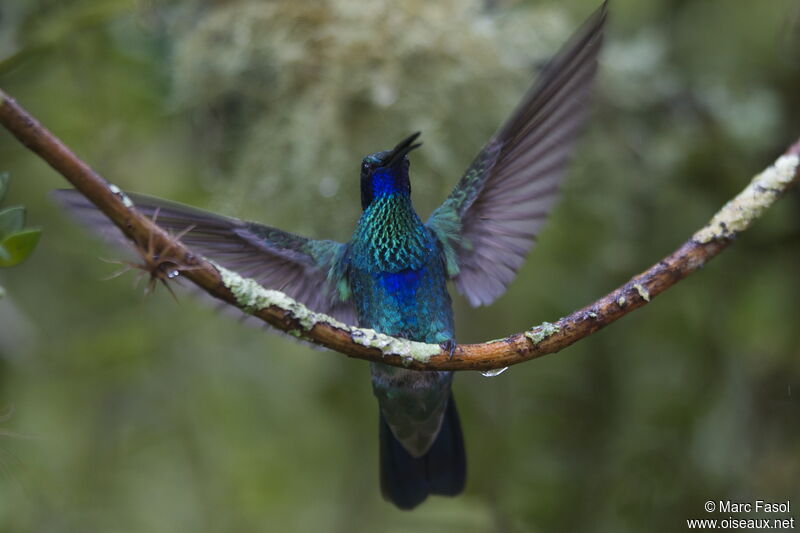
(401, 150)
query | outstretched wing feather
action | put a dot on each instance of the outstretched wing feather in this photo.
(491, 219)
(274, 258)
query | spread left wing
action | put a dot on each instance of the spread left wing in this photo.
(490, 221)
(276, 259)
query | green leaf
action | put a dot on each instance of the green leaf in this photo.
(3, 184)
(12, 219)
(16, 247)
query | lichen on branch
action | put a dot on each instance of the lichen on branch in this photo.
(738, 214)
(252, 297)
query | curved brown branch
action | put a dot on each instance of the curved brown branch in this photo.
(285, 314)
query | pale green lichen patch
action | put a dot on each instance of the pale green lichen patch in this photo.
(763, 190)
(642, 290)
(408, 350)
(621, 301)
(591, 314)
(122, 196)
(542, 331)
(252, 297)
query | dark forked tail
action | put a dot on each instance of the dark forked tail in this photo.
(406, 481)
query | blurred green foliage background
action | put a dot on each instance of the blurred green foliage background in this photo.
(126, 413)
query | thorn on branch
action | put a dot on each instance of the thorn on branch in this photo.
(160, 263)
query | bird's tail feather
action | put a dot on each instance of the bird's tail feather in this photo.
(406, 481)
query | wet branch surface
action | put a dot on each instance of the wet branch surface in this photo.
(285, 314)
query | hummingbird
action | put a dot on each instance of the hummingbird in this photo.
(393, 274)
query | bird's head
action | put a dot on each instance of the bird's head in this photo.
(387, 172)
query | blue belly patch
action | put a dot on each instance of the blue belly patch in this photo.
(402, 286)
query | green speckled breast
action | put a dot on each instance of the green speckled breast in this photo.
(397, 276)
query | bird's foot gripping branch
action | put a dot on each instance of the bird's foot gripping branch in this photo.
(286, 314)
